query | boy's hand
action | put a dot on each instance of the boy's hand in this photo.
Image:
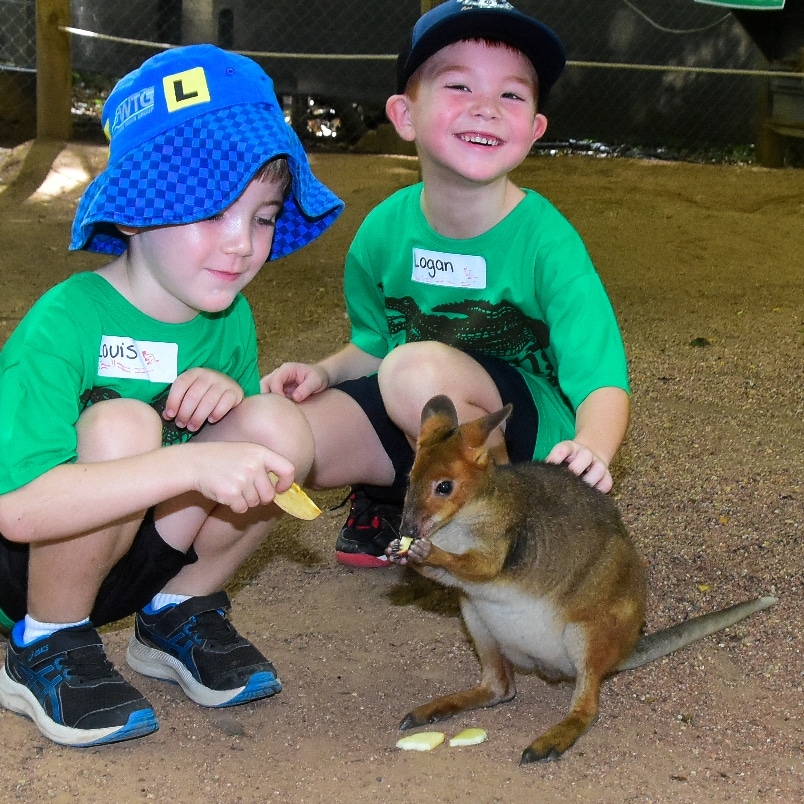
(583, 462)
(201, 395)
(296, 381)
(236, 473)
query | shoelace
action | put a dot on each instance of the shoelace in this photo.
(360, 505)
(350, 497)
(87, 664)
(214, 627)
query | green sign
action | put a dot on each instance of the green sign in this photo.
(758, 5)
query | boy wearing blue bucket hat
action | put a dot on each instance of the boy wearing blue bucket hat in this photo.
(137, 449)
(465, 285)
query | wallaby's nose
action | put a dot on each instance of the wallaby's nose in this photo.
(408, 527)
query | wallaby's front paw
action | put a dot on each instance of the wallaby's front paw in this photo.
(399, 547)
(408, 548)
(419, 551)
(397, 550)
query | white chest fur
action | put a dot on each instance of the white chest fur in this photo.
(528, 629)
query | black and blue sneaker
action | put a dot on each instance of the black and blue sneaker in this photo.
(194, 645)
(68, 687)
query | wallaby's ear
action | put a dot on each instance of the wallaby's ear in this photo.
(476, 433)
(440, 405)
(439, 420)
(494, 420)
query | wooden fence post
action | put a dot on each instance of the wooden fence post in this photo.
(54, 80)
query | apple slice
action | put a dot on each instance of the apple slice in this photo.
(295, 501)
(404, 544)
(423, 741)
(468, 737)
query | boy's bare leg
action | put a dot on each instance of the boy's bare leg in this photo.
(350, 453)
(222, 539)
(68, 594)
(190, 641)
(347, 449)
(412, 374)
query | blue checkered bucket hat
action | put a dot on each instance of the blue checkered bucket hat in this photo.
(187, 132)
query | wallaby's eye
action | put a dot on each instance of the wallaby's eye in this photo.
(444, 488)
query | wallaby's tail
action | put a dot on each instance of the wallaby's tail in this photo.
(664, 642)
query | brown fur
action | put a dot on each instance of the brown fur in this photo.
(548, 577)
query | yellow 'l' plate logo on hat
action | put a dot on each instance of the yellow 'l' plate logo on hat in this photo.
(185, 89)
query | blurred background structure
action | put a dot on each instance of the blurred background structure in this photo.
(642, 73)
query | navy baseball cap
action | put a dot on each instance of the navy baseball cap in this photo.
(497, 20)
(187, 132)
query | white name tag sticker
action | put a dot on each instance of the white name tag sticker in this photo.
(448, 270)
(124, 358)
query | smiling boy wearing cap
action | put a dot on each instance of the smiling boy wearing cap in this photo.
(136, 445)
(465, 285)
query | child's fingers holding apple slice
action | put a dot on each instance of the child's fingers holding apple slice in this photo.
(295, 501)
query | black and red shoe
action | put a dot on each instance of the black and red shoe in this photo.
(370, 527)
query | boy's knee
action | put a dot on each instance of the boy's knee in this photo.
(117, 428)
(416, 371)
(419, 363)
(277, 423)
(410, 375)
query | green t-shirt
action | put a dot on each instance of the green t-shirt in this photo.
(83, 341)
(525, 292)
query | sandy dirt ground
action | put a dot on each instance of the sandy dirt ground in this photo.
(704, 267)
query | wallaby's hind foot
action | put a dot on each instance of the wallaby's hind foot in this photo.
(557, 739)
(450, 705)
(497, 685)
(581, 717)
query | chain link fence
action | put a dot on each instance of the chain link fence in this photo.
(673, 73)
(18, 35)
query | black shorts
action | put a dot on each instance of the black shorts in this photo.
(142, 572)
(520, 430)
